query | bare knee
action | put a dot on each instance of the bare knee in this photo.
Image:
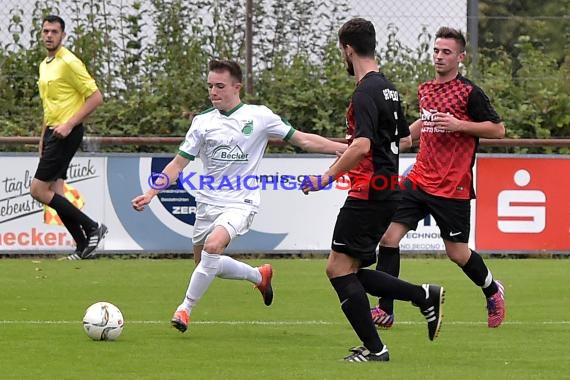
(340, 264)
(393, 235)
(459, 253)
(330, 272)
(459, 259)
(214, 247)
(390, 239)
(40, 192)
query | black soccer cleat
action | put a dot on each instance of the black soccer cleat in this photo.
(433, 310)
(362, 354)
(93, 240)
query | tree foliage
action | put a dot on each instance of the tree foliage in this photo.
(150, 57)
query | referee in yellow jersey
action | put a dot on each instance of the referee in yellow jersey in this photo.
(69, 94)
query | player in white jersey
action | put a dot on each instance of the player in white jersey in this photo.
(230, 140)
(230, 145)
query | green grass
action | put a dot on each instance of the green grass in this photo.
(301, 336)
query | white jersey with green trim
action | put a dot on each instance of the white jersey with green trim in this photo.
(231, 146)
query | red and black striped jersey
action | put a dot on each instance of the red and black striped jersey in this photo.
(375, 113)
(444, 164)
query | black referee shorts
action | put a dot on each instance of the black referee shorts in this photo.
(57, 154)
(453, 216)
(359, 226)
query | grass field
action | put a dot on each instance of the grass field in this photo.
(301, 336)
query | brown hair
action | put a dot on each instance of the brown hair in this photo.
(360, 35)
(53, 19)
(226, 65)
(451, 33)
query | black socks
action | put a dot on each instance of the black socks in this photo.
(71, 214)
(355, 306)
(388, 262)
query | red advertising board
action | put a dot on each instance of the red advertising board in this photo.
(523, 204)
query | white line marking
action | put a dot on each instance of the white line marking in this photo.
(286, 323)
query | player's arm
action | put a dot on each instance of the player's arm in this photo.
(485, 122)
(402, 130)
(77, 77)
(484, 129)
(416, 130)
(172, 171)
(350, 158)
(366, 117)
(91, 103)
(310, 142)
(405, 144)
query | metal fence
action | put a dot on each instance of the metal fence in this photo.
(409, 20)
(406, 24)
(410, 23)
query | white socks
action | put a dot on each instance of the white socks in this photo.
(200, 280)
(236, 270)
(210, 266)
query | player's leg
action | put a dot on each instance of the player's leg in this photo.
(214, 228)
(181, 318)
(409, 211)
(355, 306)
(429, 298)
(74, 229)
(41, 191)
(94, 232)
(354, 240)
(388, 262)
(475, 268)
(55, 159)
(237, 222)
(202, 276)
(453, 218)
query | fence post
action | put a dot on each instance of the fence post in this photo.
(473, 35)
(249, 47)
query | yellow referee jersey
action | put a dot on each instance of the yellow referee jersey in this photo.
(64, 85)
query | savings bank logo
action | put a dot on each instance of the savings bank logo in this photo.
(228, 153)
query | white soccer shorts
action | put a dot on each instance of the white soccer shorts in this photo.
(236, 221)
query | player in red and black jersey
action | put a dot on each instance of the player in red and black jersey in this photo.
(375, 127)
(455, 113)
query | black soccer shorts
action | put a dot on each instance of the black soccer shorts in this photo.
(359, 226)
(57, 154)
(453, 216)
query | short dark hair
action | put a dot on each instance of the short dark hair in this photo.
(53, 19)
(360, 34)
(226, 65)
(451, 33)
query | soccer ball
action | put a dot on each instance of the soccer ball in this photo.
(103, 321)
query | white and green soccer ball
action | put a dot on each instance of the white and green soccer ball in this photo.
(103, 321)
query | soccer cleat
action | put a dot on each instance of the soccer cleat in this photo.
(72, 256)
(93, 240)
(381, 319)
(496, 307)
(362, 354)
(180, 320)
(433, 312)
(265, 285)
